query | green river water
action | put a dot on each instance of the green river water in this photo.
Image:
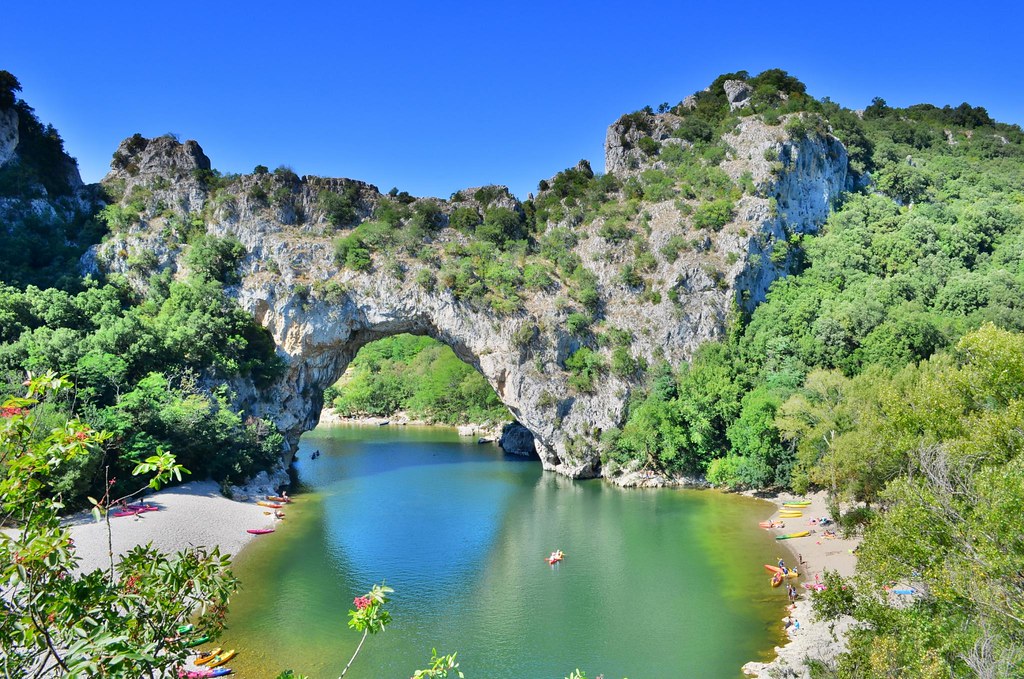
(655, 583)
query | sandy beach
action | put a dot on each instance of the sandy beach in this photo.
(811, 555)
(191, 514)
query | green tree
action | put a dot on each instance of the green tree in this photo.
(117, 623)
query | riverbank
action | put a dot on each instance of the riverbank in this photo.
(192, 514)
(484, 433)
(812, 555)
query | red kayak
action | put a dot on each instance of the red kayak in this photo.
(260, 531)
(135, 511)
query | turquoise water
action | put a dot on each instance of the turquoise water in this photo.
(655, 583)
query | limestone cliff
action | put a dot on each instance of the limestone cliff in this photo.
(320, 312)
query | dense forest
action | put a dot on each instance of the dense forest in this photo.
(886, 369)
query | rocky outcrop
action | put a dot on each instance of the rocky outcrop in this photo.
(517, 440)
(321, 312)
(8, 134)
(737, 92)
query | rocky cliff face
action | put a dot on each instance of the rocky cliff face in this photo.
(8, 134)
(320, 313)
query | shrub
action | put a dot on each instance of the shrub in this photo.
(500, 226)
(536, 276)
(486, 195)
(648, 145)
(351, 251)
(713, 215)
(672, 247)
(585, 366)
(694, 129)
(577, 323)
(465, 219)
(213, 258)
(340, 209)
(615, 229)
(426, 279)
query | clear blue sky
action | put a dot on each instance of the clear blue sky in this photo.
(432, 97)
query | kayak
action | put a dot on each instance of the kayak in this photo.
(222, 658)
(277, 498)
(776, 579)
(260, 531)
(790, 514)
(135, 511)
(775, 569)
(555, 557)
(772, 524)
(207, 657)
(797, 503)
(204, 673)
(184, 629)
(787, 536)
(198, 640)
(272, 505)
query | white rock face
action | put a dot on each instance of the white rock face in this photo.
(320, 314)
(8, 134)
(737, 92)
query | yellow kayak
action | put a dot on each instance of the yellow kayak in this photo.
(789, 514)
(801, 534)
(207, 657)
(222, 658)
(801, 504)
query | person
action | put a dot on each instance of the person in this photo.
(284, 494)
(800, 558)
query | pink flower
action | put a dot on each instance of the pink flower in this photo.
(361, 602)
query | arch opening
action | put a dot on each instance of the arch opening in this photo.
(404, 372)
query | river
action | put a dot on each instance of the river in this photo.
(655, 583)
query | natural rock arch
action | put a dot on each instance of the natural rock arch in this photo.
(320, 312)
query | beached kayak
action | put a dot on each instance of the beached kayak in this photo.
(222, 658)
(790, 573)
(134, 510)
(204, 673)
(272, 505)
(797, 503)
(198, 640)
(278, 498)
(207, 657)
(787, 536)
(776, 579)
(260, 531)
(790, 514)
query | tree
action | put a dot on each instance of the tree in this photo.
(121, 622)
(8, 86)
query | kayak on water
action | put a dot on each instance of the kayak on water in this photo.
(207, 657)
(789, 573)
(222, 658)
